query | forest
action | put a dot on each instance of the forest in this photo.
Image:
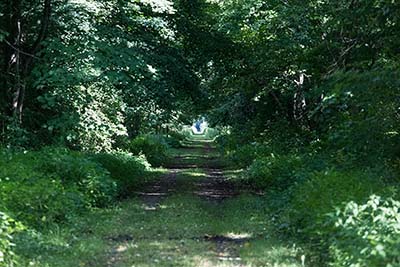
(209, 133)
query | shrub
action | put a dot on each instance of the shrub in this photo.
(51, 185)
(174, 139)
(7, 228)
(152, 146)
(227, 142)
(31, 195)
(243, 156)
(274, 172)
(211, 133)
(367, 234)
(38, 201)
(74, 168)
(358, 113)
(128, 171)
(324, 191)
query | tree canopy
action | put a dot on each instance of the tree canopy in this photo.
(82, 73)
(303, 102)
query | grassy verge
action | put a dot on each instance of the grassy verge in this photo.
(183, 230)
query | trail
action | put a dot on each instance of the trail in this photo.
(196, 174)
(193, 215)
(213, 188)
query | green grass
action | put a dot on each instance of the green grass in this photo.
(173, 234)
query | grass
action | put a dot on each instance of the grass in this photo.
(184, 230)
(172, 235)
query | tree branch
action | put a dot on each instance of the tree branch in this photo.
(45, 24)
(19, 50)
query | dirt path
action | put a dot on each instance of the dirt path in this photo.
(214, 188)
(192, 216)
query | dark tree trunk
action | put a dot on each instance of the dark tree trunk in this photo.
(19, 62)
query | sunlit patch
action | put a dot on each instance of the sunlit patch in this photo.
(121, 248)
(222, 262)
(149, 208)
(194, 173)
(160, 6)
(153, 207)
(239, 236)
(89, 5)
(152, 69)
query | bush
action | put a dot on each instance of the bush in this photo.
(74, 168)
(367, 234)
(38, 201)
(359, 113)
(243, 156)
(49, 186)
(324, 191)
(211, 133)
(154, 147)
(174, 139)
(274, 172)
(32, 196)
(7, 228)
(128, 171)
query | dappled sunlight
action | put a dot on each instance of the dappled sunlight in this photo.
(160, 6)
(186, 133)
(239, 236)
(208, 262)
(147, 207)
(186, 217)
(193, 173)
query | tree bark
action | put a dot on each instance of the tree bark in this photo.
(19, 63)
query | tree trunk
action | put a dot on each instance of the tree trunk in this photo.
(19, 63)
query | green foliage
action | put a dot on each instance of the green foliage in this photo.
(74, 168)
(324, 191)
(174, 139)
(32, 196)
(366, 234)
(243, 156)
(358, 114)
(211, 133)
(106, 69)
(307, 93)
(274, 172)
(8, 227)
(88, 116)
(38, 201)
(40, 188)
(14, 134)
(129, 172)
(154, 147)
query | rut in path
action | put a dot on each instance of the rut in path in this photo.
(213, 188)
(194, 216)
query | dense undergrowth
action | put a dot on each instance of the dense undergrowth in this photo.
(332, 178)
(335, 191)
(305, 92)
(52, 186)
(348, 216)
